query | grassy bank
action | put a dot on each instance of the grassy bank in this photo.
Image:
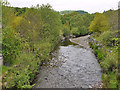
(105, 43)
(108, 59)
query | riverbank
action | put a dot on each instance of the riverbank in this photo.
(108, 59)
(27, 40)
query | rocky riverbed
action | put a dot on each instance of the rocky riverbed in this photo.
(72, 66)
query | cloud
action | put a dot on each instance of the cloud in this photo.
(88, 5)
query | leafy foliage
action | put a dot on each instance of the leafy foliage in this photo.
(104, 28)
(29, 35)
(99, 24)
(11, 45)
(78, 24)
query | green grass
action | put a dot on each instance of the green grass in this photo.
(109, 80)
(108, 62)
(4, 69)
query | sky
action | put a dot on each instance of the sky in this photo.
(90, 6)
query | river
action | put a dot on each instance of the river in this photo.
(72, 66)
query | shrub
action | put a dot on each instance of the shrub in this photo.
(109, 80)
(27, 41)
(106, 38)
(80, 31)
(75, 31)
(83, 30)
(66, 31)
(10, 46)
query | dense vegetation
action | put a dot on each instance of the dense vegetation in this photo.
(76, 24)
(29, 35)
(105, 31)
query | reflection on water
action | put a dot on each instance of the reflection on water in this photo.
(67, 42)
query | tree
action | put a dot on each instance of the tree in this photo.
(99, 24)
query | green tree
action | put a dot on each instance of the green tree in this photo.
(99, 24)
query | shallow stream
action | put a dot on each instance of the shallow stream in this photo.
(72, 66)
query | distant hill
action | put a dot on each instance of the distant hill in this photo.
(71, 11)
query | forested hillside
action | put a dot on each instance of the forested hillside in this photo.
(71, 11)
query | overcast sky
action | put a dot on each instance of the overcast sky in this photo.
(90, 6)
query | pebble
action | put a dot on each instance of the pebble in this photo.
(79, 69)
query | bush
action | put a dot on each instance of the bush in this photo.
(10, 46)
(27, 41)
(75, 31)
(66, 31)
(109, 80)
(83, 30)
(110, 61)
(80, 31)
(106, 38)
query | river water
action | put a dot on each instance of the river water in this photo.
(72, 66)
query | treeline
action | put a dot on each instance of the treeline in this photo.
(76, 24)
(105, 31)
(29, 35)
(71, 11)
